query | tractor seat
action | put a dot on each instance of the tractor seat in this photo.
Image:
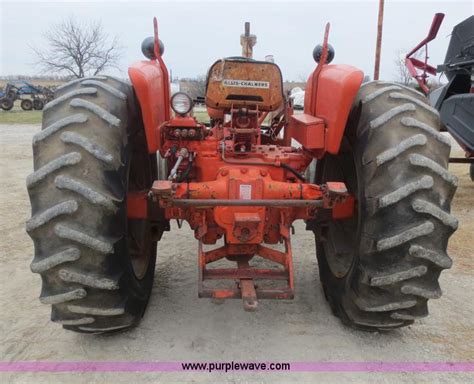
(243, 82)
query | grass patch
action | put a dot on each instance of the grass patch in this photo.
(201, 116)
(18, 116)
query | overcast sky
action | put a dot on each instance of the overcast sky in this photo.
(195, 34)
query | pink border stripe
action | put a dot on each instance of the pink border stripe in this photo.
(149, 366)
(380, 366)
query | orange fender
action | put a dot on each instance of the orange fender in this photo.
(150, 81)
(337, 86)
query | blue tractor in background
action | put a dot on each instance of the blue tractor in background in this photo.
(31, 96)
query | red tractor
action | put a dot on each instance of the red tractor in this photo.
(116, 161)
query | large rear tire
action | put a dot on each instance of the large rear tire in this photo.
(96, 266)
(379, 269)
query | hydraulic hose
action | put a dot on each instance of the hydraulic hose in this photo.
(293, 171)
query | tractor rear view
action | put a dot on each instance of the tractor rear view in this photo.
(115, 162)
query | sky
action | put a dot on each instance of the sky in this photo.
(197, 33)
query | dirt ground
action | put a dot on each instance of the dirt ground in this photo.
(179, 327)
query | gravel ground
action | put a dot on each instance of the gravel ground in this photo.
(178, 327)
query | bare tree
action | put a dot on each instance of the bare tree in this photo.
(402, 75)
(78, 49)
(434, 83)
(302, 77)
(195, 87)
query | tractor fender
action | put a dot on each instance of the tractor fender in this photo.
(337, 86)
(457, 114)
(152, 89)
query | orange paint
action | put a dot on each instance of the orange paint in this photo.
(137, 205)
(307, 130)
(337, 86)
(150, 83)
(244, 157)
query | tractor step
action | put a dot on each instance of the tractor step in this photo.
(244, 275)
